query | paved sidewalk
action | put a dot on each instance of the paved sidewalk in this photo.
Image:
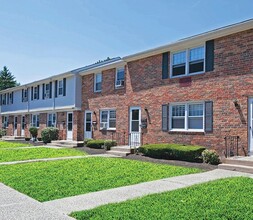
(120, 194)
(15, 205)
(29, 147)
(56, 158)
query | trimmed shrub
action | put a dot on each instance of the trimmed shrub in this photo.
(173, 152)
(98, 144)
(49, 134)
(211, 157)
(34, 132)
(86, 140)
(54, 133)
(109, 143)
(2, 132)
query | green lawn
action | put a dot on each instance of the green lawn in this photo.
(46, 181)
(5, 144)
(36, 153)
(222, 199)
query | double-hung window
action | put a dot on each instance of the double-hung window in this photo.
(187, 116)
(35, 93)
(108, 119)
(35, 121)
(187, 62)
(60, 87)
(120, 77)
(5, 120)
(47, 91)
(25, 95)
(51, 120)
(98, 82)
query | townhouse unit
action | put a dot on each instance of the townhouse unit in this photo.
(54, 101)
(197, 90)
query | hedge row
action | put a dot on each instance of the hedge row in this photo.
(98, 144)
(173, 152)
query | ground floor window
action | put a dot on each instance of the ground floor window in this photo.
(5, 121)
(108, 119)
(51, 120)
(187, 116)
(35, 121)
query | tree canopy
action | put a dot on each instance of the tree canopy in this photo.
(7, 80)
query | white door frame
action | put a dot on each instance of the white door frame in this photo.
(15, 126)
(22, 124)
(69, 132)
(89, 133)
(135, 137)
(250, 126)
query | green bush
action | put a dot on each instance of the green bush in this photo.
(34, 132)
(98, 144)
(86, 140)
(211, 157)
(2, 132)
(49, 134)
(54, 134)
(109, 143)
(173, 152)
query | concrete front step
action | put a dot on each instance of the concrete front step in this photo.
(244, 161)
(121, 148)
(13, 138)
(68, 144)
(236, 167)
(118, 153)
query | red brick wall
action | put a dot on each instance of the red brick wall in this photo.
(231, 79)
(61, 125)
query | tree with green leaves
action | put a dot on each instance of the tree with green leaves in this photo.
(7, 80)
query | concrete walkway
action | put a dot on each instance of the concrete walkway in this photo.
(29, 147)
(120, 194)
(56, 158)
(15, 205)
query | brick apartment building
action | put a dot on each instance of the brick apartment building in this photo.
(195, 91)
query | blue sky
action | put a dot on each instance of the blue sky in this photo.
(39, 38)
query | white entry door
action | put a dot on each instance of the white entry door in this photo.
(23, 126)
(88, 124)
(135, 129)
(70, 126)
(15, 126)
(250, 126)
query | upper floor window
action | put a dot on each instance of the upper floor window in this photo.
(51, 120)
(24, 95)
(60, 87)
(47, 91)
(187, 62)
(188, 116)
(108, 119)
(120, 77)
(35, 121)
(4, 99)
(35, 93)
(98, 82)
(11, 97)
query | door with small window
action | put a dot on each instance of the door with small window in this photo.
(134, 127)
(15, 126)
(70, 126)
(88, 124)
(23, 126)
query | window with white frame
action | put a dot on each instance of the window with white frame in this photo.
(35, 92)
(60, 87)
(187, 62)
(35, 121)
(5, 121)
(98, 82)
(47, 91)
(51, 120)
(187, 116)
(108, 119)
(120, 77)
(25, 95)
